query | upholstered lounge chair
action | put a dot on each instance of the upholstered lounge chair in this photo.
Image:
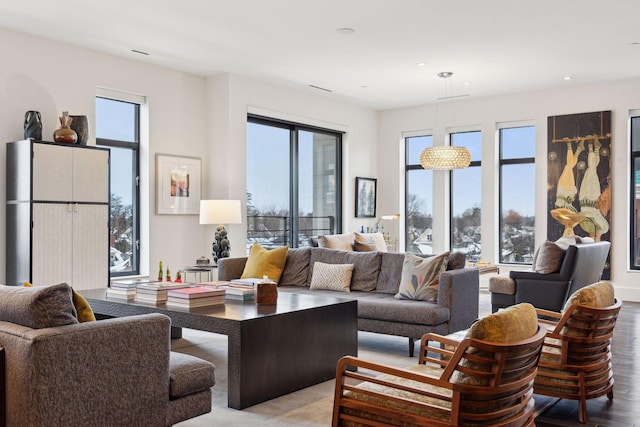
(582, 265)
(576, 357)
(486, 379)
(111, 372)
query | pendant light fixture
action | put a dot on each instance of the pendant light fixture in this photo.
(445, 157)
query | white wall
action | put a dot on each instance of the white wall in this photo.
(38, 74)
(187, 115)
(233, 96)
(483, 114)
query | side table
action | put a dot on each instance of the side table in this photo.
(198, 271)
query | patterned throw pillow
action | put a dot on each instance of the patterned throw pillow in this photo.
(419, 280)
(333, 277)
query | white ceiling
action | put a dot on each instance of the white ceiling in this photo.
(498, 46)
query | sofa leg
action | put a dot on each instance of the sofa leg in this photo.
(411, 346)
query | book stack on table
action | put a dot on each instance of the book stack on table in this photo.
(194, 296)
(156, 292)
(124, 289)
(233, 291)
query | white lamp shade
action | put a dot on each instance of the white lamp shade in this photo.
(220, 212)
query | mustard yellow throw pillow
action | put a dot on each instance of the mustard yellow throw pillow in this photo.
(265, 262)
(85, 313)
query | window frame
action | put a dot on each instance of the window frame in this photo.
(413, 167)
(507, 162)
(634, 213)
(134, 146)
(473, 163)
(294, 130)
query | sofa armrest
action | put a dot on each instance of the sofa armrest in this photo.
(115, 369)
(532, 275)
(459, 290)
(231, 268)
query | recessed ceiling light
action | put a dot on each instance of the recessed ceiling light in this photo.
(421, 64)
(568, 78)
(345, 31)
(466, 83)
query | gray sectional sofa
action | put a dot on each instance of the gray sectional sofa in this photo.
(375, 281)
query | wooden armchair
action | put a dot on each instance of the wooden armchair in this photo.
(576, 358)
(472, 382)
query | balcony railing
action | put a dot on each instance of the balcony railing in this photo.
(274, 230)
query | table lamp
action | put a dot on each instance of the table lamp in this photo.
(220, 212)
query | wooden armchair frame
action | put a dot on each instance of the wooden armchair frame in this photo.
(575, 362)
(503, 397)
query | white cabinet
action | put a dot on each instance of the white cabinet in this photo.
(66, 236)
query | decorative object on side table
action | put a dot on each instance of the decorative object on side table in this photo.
(220, 212)
(33, 125)
(65, 133)
(80, 124)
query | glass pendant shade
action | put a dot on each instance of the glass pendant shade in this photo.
(445, 157)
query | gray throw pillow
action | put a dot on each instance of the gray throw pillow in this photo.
(549, 258)
(39, 306)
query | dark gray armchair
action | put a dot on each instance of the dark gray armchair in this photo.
(582, 265)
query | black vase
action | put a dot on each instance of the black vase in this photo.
(32, 125)
(81, 125)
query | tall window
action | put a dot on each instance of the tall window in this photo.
(635, 193)
(419, 197)
(118, 128)
(517, 189)
(466, 197)
(293, 182)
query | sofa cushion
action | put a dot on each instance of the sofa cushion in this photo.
(366, 265)
(334, 277)
(549, 258)
(84, 310)
(514, 323)
(390, 272)
(420, 277)
(371, 240)
(457, 260)
(189, 374)
(296, 267)
(343, 242)
(265, 262)
(38, 307)
(502, 284)
(385, 307)
(598, 295)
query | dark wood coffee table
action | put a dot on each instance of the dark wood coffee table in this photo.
(273, 350)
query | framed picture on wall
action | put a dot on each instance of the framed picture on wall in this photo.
(366, 197)
(177, 184)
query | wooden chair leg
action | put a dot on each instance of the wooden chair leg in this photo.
(411, 346)
(610, 394)
(582, 410)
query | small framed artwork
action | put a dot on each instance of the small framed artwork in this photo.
(366, 197)
(177, 184)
